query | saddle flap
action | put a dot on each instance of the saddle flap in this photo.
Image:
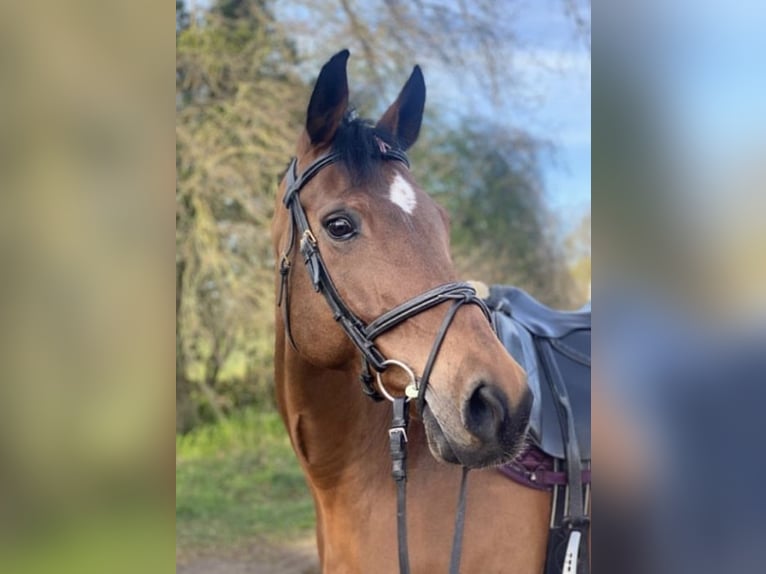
(571, 354)
(575, 372)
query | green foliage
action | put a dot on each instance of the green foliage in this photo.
(238, 479)
(247, 430)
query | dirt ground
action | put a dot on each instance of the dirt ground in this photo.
(295, 558)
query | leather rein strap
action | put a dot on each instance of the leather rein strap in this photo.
(363, 335)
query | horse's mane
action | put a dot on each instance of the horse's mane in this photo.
(358, 143)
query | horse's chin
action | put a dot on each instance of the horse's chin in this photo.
(471, 456)
(438, 444)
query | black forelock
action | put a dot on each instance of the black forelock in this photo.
(357, 141)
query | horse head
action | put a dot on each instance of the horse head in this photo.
(384, 241)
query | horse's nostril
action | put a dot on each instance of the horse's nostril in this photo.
(486, 412)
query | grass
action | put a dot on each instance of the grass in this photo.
(236, 481)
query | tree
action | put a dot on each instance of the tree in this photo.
(237, 110)
(476, 38)
(489, 179)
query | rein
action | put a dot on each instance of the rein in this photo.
(363, 336)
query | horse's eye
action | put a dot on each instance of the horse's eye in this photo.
(340, 227)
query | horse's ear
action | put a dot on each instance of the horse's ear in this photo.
(329, 100)
(402, 120)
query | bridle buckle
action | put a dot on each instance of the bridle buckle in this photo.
(400, 431)
(308, 237)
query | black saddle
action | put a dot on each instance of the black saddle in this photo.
(528, 329)
(554, 349)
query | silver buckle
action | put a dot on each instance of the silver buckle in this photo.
(395, 430)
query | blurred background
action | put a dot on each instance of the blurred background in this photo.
(505, 147)
(86, 324)
(679, 240)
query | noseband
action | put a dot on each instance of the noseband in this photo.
(363, 334)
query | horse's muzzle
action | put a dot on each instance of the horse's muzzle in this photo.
(492, 433)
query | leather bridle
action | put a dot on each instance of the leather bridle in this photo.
(363, 335)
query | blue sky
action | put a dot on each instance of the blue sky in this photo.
(550, 98)
(557, 64)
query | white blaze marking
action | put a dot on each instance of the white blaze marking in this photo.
(402, 194)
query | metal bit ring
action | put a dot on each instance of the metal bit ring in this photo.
(412, 387)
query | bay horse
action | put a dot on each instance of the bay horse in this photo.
(364, 271)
